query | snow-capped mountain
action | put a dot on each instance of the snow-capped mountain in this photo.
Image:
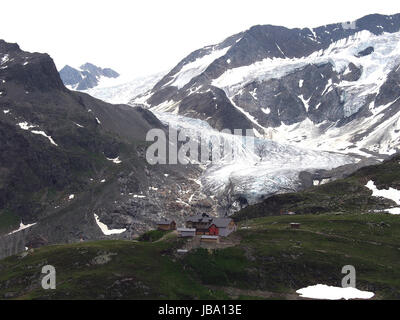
(333, 88)
(72, 164)
(86, 77)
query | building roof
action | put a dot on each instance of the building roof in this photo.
(218, 222)
(186, 230)
(221, 222)
(210, 237)
(165, 222)
(200, 218)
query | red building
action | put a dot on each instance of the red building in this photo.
(206, 225)
(213, 230)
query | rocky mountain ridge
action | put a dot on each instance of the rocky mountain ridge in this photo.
(86, 77)
(330, 88)
(67, 157)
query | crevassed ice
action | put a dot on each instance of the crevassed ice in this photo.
(339, 54)
(278, 170)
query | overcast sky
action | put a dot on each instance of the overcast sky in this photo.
(148, 36)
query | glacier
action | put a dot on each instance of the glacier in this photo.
(380, 137)
(246, 175)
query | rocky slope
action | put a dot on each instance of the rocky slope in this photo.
(329, 88)
(86, 77)
(65, 156)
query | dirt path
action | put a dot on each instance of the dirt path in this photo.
(235, 293)
(170, 235)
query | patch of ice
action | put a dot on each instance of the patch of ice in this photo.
(42, 133)
(22, 227)
(266, 110)
(25, 125)
(104, 228)
(115, 160)
(305, 102)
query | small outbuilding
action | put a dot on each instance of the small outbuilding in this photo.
(288, 213)
(295, 225)
(166, 225)
(210, 239)
(186, 232)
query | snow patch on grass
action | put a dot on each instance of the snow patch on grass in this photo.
(324, 292)
(391, 194)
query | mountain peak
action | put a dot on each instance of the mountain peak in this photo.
(7, 47)
(33, 70)
(86, 77)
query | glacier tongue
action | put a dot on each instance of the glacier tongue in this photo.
(122, 90)
(248, 175)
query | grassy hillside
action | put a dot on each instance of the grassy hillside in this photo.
(271, 261)
(266, 260)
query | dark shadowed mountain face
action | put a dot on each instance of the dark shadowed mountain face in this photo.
(87, 77)
(65, 156)
(331, 87)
